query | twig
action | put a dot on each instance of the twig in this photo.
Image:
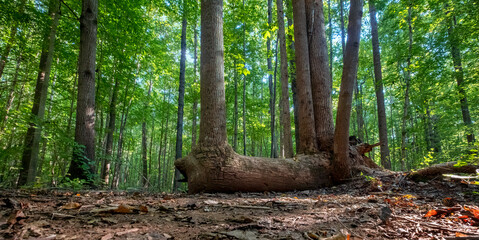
(71, 10)
(433, 225)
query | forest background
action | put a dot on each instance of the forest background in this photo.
(429, 62)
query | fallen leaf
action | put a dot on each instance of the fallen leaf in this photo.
(431, 213)
(16, 216)
(71, 205)
(123, 209)
(143, 209)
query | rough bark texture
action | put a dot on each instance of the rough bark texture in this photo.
(213, 105)
(33, 136)
(287, 141)
(378, 85)
(181, 98)
(307, 132)
(321, 82)
(341, 168)
(84, 152)
(459, 74)
(220, 169)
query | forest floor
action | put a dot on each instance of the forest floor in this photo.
(390, 207)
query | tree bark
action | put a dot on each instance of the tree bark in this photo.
(144, 147)
(343, 34)
(270, 80)
(307, 133)
(213, 105)
(181, 98)
(244, 80)
(105, 170)
(321, 82)
(235, 116)
(341, 168)
(287, 141)
(33, 136)
(292, 72)
(454, 43)
(406, 93)
(84, 151)
(195, 101)
(378, 86)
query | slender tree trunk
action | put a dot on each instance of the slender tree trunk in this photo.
(378, 86)
(84, 151)
(274, 141)
(244, 79)
(213, 111)
(343, 34)
(33, 136)
(330, 23)
(270, 78)
(406, 93)
(144, 139)
(287, 141)
(341, 167)
(44, 144)
(321, 83)
(11, 96)
(235, 116)
(359, 110)
(105, 170)
(454, 43)
(307, 133)
(292, 71)
(195, 101)
(181, 98)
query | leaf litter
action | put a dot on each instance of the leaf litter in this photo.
(399, 209)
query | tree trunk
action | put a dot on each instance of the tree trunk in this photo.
(235, 116)
(307, 133)
(406, 93)
(84, 151)
(244, 78)
(459, 74)
(270, 79)
(330, 24)
(341, 168)
(33, 136)
(181, 98)
(321, 83)
(11, 95)
(105, 170)
(343, 34)
(144, 147)
(378, 86)
(195, 101)
(274, 138)
(292, 71)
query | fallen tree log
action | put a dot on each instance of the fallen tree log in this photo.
(220, 169)
(443, 168)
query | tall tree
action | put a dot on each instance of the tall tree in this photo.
(284, 100)
(33, 136)
(144, 158)
(455, 43)
(378, 86)
(321, 82)
(244, 79)
(213, 103)
(406, 92)
(273, 150)
(307, 132)
(195, 101)
(341, 167)
(181, 96)
(84, 150)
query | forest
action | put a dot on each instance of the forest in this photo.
(214, 96)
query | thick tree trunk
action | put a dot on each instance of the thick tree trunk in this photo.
(378, 86)
(181, 98)
(213, 105)
(321, 83)
(459, 74)
(220, 169)
(33, 136)
(341, 167)
(84, 151)
(307, 132)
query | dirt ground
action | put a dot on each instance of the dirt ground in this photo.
(389, 207)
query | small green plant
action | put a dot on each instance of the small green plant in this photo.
(74, 184)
